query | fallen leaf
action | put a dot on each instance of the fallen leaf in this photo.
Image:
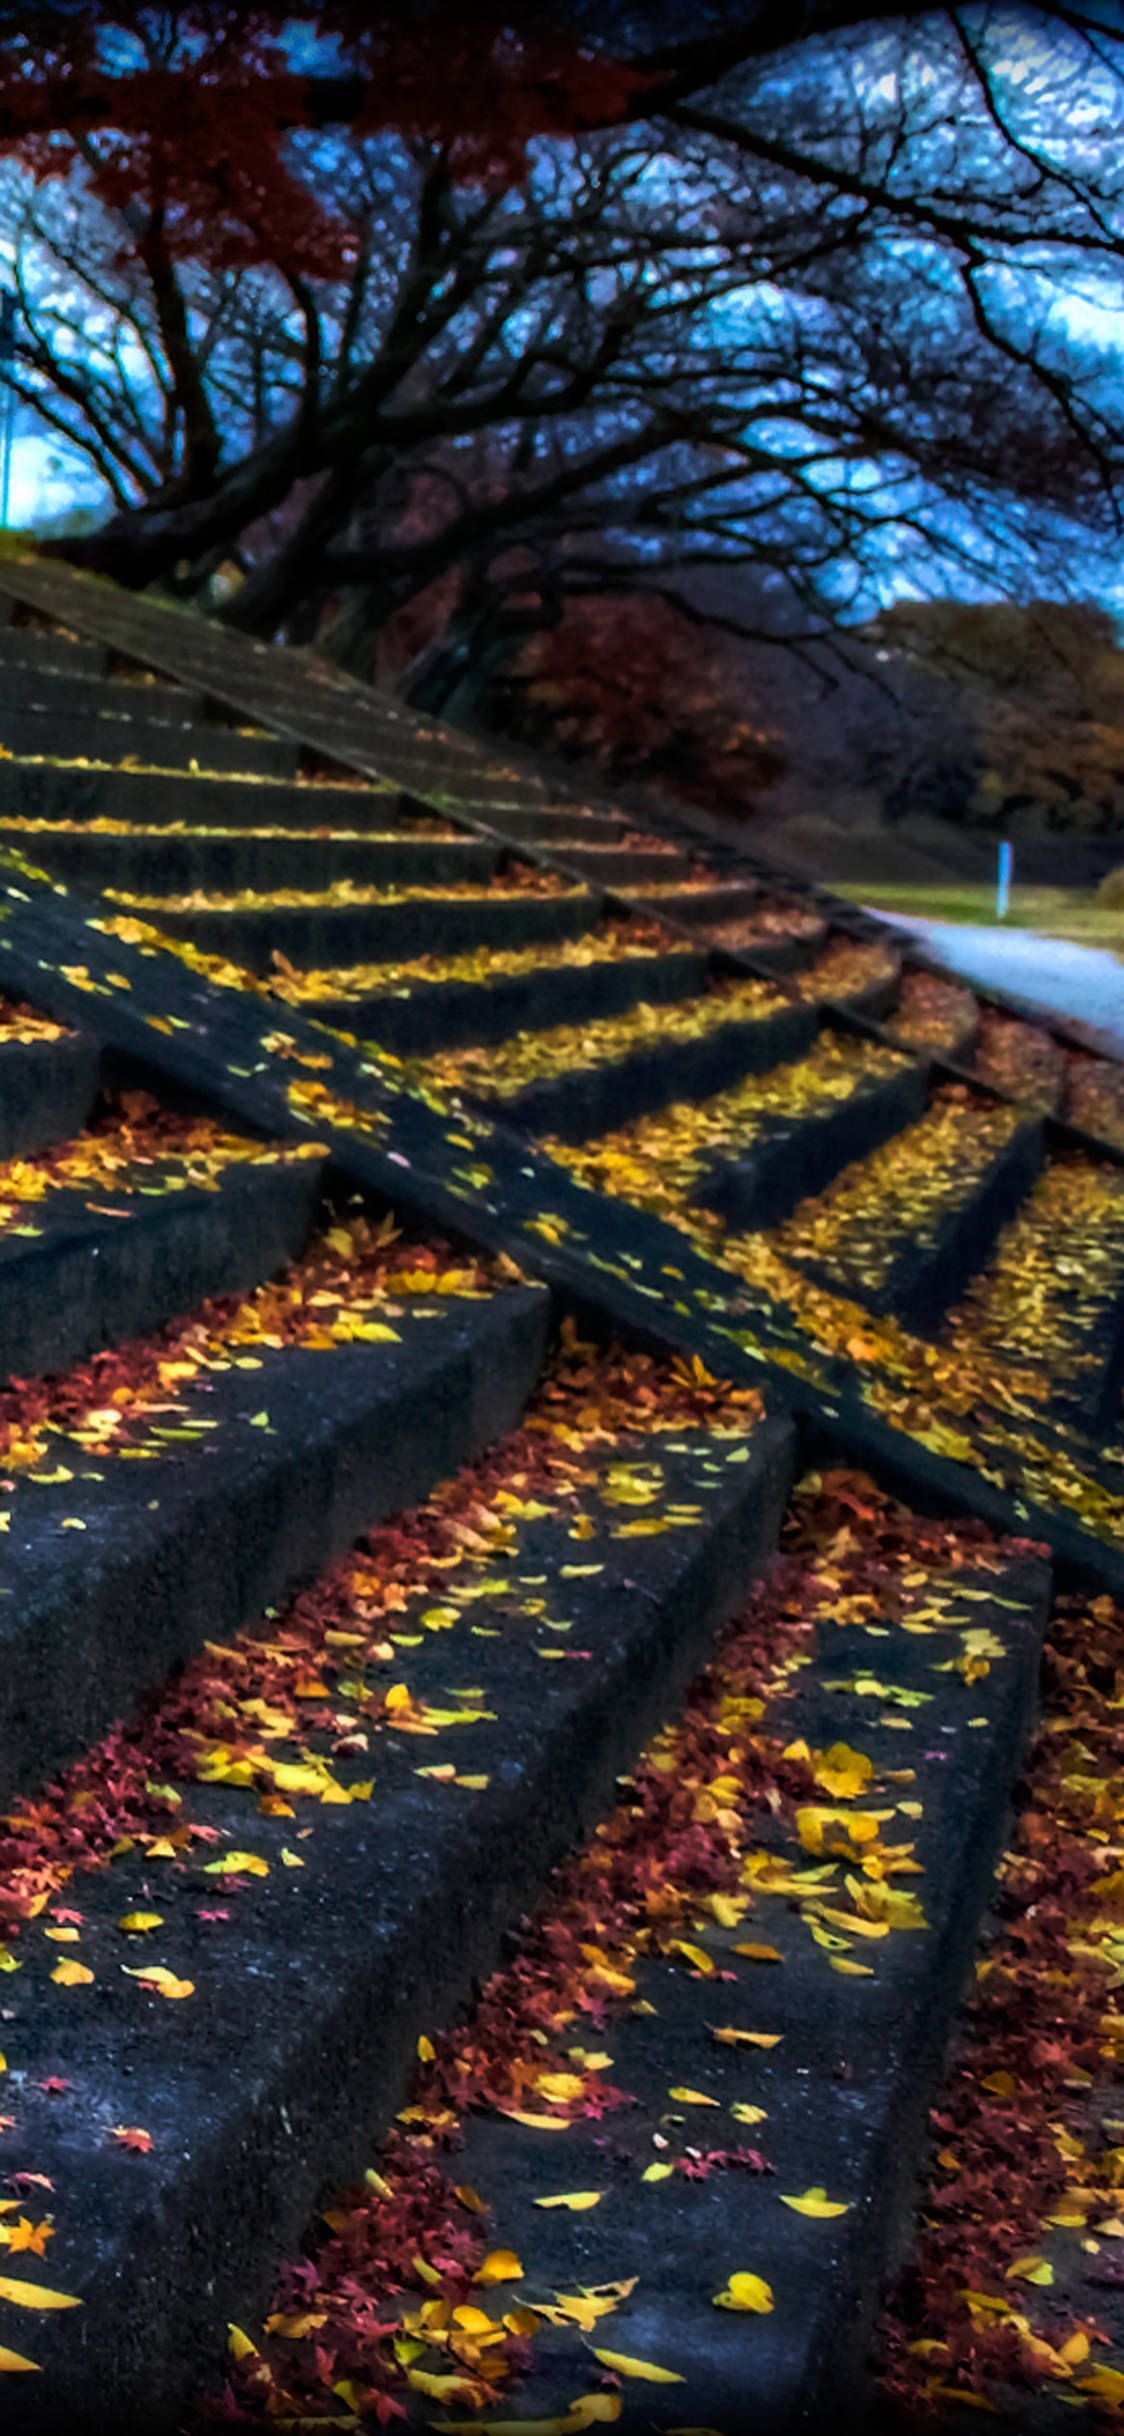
(748, 2292)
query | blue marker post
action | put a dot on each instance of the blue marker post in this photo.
(1003, 879)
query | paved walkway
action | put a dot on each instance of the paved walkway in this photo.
(1083, 984)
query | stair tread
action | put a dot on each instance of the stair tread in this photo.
(729, 1850)
(350, 1932)
(885, 1219)
(168, 1210)
(157, 1488)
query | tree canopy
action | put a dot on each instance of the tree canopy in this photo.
(437, 331)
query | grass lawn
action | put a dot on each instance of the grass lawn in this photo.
(1054, 913)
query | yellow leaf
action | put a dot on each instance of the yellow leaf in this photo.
(747, 2114)
(426, 2049)
(1030, 2269)
(519, 2114)
(656, 2173)
(500, 2267)
(622, 2363)
(239, 2344)
(759, 1953)
(841, 1771)
(162, 1981)
(692, 2097)
(137, 1924)
(13, 2364)
(238, 1865)
(68, 1974)
(748, 2292)
(574, 2200)
(816, 2203)
(749, 2038)
(34, 2296)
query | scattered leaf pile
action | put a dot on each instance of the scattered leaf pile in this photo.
(411, 2291)
(20, 1022)
(846, 968)
(501, 1072)
(1016, 2282)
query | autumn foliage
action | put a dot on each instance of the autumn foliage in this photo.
(648, 695)
(189, 116)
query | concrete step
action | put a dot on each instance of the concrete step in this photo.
(86, 1267)
(44, 791)
(1051, 1298)
(222, 860)
(400, 1902)
(905, 1229)
(46, 1090)
(424, 1016)
(118, 1563)
(328, 932)
(555, 825)
(733, 1997)
(816, 1117)
(156, 744)
(932, 1011)
(622, 867)
(583, 1102)
(85, 694)
(702, 904)
(44, 651)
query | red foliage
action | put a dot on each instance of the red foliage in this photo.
(650, 695)
(190, 111)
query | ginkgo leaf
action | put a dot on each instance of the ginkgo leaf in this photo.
(746, 2291)
(70, 1974)
(13, 2364)
(743, 2113)
(815, 2202)
(691, 2097)
(657, 2173)
(237, 1865)
(34, 2296)
(575, 2200)
(162, 1981)
(138, 1924)
(623, 2365)
(500, 2267)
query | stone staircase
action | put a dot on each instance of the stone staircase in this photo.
(451, 1240)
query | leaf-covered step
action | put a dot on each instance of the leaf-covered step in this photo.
(440, 1004)
(659, 2164)
(133, 1223)
(76, 694)
(48, 790)
(786, 1135)
(224, 860)
(933, 1013)
(1009, 2298)
(571, 1081)
(863, 975)
(706, 902)
(350, 924)
(358, 1802)
(1051, 1299)
(624, 866)
(48, 1078)
(165, 1491)
(903, 1230)
(554, 825)
(60, 736)
(40, 651)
